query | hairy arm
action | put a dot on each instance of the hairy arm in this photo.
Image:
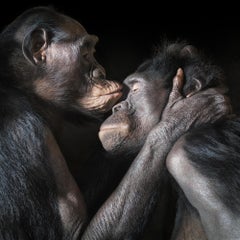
(126, 211)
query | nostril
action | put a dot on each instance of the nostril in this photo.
(123, 106)
(116, 108)
(99, 73)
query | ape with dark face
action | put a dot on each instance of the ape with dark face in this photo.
(47, 70)
(126, 130)
(149, 87)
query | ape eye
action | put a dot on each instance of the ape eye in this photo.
(85, 55)
(135, 87)
(84, 52)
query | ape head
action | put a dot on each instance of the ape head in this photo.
(125, 130)
(51, 56)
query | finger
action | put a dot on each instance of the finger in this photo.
(177, 85)
(178, 79)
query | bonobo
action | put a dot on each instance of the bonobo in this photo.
(126, 130)
(47, 68)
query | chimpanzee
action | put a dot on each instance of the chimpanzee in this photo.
(47, 69)
(126, 130)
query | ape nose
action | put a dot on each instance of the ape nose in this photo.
(120, 106)
(99, 72)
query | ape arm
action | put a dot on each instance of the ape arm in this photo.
(130, 204)
(126, 211)
(205, 163)
(188, 225)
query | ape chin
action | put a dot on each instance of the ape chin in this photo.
(112, 136)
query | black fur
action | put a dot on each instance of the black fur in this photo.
(27, 187)
(215, 152)
(173, 55)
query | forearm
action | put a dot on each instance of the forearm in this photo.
(127, 209)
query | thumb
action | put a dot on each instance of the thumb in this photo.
(177, 86)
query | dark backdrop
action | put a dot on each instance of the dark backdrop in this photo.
(129, 31)
(128, 35)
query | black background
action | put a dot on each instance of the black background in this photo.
(129, 31)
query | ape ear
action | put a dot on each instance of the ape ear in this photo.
(195, 87)
(189, 51)
(35, 45)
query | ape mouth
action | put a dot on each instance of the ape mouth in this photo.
(116, 92)
(107, 101)
(108, 88)
(113, 127)
(109, 132)
(99, 100)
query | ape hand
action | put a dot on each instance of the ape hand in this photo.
(205, 106)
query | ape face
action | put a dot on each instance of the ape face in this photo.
(52, 56)
(74, 76)
(132, 119)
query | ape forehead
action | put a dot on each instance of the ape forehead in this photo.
(74, 31)
(133, 78)
(46, 17)
(151, 77)
(72, 27)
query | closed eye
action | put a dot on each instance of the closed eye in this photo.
(135, 87)
(87, 55)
